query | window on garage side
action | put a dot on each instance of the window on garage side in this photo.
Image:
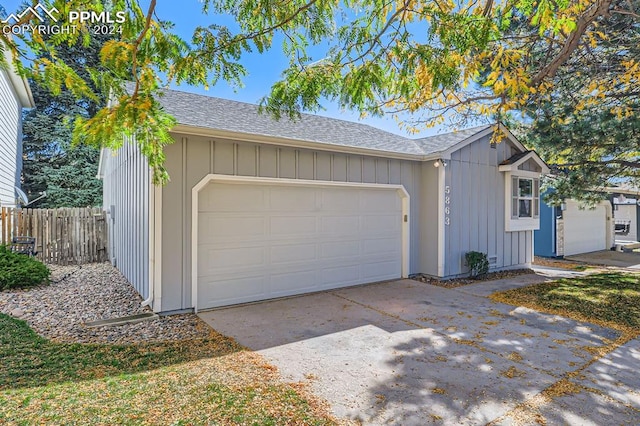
(525, 197)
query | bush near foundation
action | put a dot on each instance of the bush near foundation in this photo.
(19, 271)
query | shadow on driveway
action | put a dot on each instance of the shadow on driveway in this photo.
(406, 352)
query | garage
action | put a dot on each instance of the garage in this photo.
(263, 238)
(585, 230)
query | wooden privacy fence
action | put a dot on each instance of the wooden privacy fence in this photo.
(63, 236)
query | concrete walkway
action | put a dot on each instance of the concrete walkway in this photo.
(609, 258)
(410, 353)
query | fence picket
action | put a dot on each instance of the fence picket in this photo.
(63, 236)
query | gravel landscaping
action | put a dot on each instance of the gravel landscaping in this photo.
(80, 294)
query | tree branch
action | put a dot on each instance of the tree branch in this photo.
(136, 45)
(600, 8)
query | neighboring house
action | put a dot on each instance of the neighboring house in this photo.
(258, 209)
(626, 217)
(572, 229)
(14, 95)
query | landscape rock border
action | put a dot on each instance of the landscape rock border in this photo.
(79, 294)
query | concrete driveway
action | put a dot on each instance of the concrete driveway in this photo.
(410, 353)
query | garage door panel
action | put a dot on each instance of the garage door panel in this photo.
(234, 227)
(340, 200)
(299, 225)
(333, 277)
(388, 223)
(293, 283)
(230, 198)
(386, 270)
(379, 245)
(584, 229)
(292, 199)
(295, 239)
(341, 225)
(232, 257)
(378, 201)
(293, 253)
(237, 290)
(339, 249)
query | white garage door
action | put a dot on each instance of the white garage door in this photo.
(584, 230)
(262, 241)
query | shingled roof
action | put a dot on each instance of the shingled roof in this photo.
(222, 114)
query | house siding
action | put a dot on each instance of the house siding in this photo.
(126, 200)
(191, 158)
(545, 237)
(429, 222)
(476, 205)
(10, 141)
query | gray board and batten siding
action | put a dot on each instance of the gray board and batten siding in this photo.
(475, 208)
(223, 137)
(191, 158)
(126, 198)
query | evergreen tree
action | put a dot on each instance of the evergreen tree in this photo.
(588, 127)
(50, 162)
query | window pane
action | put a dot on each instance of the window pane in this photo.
(536, 188)
(514, 187)
(526, 187)
(514, 207)
(536, 207)
(524, 208)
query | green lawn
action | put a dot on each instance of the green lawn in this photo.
(206, 381)
(611, 299)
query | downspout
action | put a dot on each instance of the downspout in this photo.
(152, 243)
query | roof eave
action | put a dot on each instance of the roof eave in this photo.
(532, 155)
(446, 154)
(294, 143)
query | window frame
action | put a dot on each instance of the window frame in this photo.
(513, 197)
(517, 197)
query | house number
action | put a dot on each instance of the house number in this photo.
(447, 201)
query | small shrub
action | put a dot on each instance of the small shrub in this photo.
(18, 270)
(478, 263)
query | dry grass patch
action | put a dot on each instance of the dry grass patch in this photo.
(610, 299)
(203, 381)
(563, 264)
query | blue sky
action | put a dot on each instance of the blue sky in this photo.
(263, 70)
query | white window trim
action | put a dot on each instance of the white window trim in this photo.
(511, 223)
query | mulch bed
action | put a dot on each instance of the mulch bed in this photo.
(459, 282)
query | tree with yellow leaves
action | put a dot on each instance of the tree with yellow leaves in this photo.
(432, 58)
(588, 125)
